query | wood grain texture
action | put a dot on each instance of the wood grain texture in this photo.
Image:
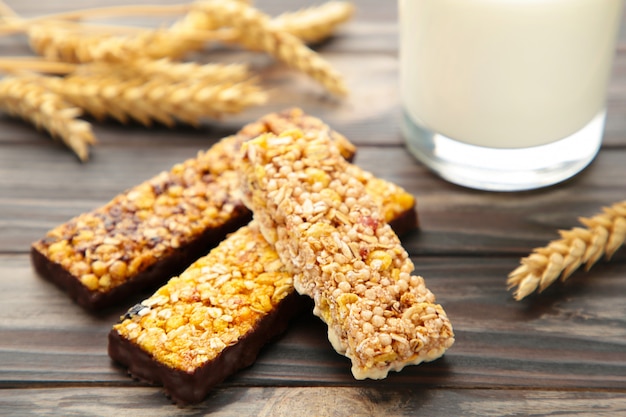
(313, 401)
(562, 352)
(578, 329)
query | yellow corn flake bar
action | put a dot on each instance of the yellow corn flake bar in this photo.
(211, 305)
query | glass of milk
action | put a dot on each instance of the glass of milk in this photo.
(506, 95)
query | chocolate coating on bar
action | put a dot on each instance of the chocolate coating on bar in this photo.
(192, 387)
(156, 273)
(154, 230)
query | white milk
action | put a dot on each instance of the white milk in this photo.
(506, 73)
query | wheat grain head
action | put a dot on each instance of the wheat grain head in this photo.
(124, 95)
(602, 235)
(167, 70)
(27, 98)
(256, 33)
(310, 25)
(314, 24)
(69, 43)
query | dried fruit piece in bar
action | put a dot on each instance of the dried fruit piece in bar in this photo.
(333, 237)
(214, 318)
(154, 230)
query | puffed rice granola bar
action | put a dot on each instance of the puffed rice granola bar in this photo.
(334, 239)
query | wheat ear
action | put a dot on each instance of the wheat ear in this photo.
(603, 235)
(163, 69)
(112, 90)
(255, 32)
(314, 24)
(62, 41)
(27, 98)
(169, 70)
(141, 10)
(310, 25)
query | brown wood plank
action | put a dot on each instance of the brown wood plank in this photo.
(318, 401)
(559, 353)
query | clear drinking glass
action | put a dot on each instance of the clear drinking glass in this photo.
(506, 95)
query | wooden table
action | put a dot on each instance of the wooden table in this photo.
(563, 352)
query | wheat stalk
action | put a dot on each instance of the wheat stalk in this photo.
(113, 90)
(603, 235)
(314, 24)
(171, 71)
(62, 41)
(310, 25)
(255, 32)
(164, 68)
(18, 64)
(27, 98)
(115, 11)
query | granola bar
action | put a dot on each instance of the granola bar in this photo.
(334, 239)
(214, 318)
(154, 230)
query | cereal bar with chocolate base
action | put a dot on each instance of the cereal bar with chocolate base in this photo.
(333, 238)
(214, 318)
(154, 230)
